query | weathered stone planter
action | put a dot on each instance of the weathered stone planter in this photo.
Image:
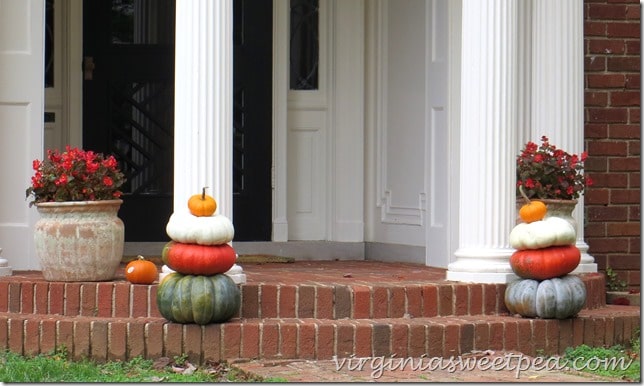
(79, 240)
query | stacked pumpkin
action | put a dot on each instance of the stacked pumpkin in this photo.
(546, 254)
(199, 291)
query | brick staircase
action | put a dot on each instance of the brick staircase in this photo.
(307, 310)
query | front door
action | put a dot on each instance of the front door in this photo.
(252, 119)
(128, 104)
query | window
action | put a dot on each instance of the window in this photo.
(304, 45)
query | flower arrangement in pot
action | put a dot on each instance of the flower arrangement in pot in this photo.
(546, 172)
(75, 175)
(79, 236)
(553, 176)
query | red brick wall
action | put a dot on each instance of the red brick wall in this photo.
(612, 134)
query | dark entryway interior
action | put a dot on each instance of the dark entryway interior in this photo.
(128, 106)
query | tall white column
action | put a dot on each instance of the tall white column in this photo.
(488, 141)
(203, 102)
(557, 109)
(203, 126)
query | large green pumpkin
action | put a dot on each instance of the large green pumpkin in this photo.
(557, 298)
(198, 299)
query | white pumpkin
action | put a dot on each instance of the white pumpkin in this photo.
(552, 231)
(209, 230)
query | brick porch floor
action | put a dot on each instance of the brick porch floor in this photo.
(309, 310)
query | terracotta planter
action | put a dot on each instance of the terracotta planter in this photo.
(79, 240)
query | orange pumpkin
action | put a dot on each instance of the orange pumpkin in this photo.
(533, 211)
(545, 263)
(202, 205)
(194, 259)
(141, 271)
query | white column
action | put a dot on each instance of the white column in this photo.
(203, 102)
(203, 128)
(488, 142)
(557, 109)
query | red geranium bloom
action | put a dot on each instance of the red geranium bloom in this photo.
(550, 173)
(75, 175)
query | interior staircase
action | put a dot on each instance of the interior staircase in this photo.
(305, 310)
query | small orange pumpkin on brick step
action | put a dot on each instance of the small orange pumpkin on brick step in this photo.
(141, 271)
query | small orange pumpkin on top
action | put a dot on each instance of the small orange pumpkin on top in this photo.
(533, 210)
(202, 205)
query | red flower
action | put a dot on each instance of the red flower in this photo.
(92, 167)
(548, 172)
(110, 162)
(107, 181)
(62, 180)
(75, 175)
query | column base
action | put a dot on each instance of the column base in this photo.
(586, 265)
(481, 277)
(165, 271)
(236, 273)
(5, 269)
(482, 265)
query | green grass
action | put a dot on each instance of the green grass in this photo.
(56, 367)
(600, 360)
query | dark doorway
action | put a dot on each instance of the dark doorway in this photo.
(252, 117)
(128, 104)
(128, 109)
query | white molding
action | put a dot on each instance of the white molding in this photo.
(346, 114)
(22, 99)
(65, 99)
(280, 119)
(454, 106)
(391, 213)
(72, 72)
(440, 168)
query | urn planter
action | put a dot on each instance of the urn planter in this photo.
(79, 240)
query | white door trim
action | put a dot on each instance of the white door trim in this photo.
(280, 120)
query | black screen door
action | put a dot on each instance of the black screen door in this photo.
(252, 116)
(128, 104)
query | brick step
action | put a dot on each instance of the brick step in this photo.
(107, 338)
(390, 300)
(319, 300)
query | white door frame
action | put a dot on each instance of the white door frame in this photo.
(21, 124)
(280, 119)
(66, 98)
